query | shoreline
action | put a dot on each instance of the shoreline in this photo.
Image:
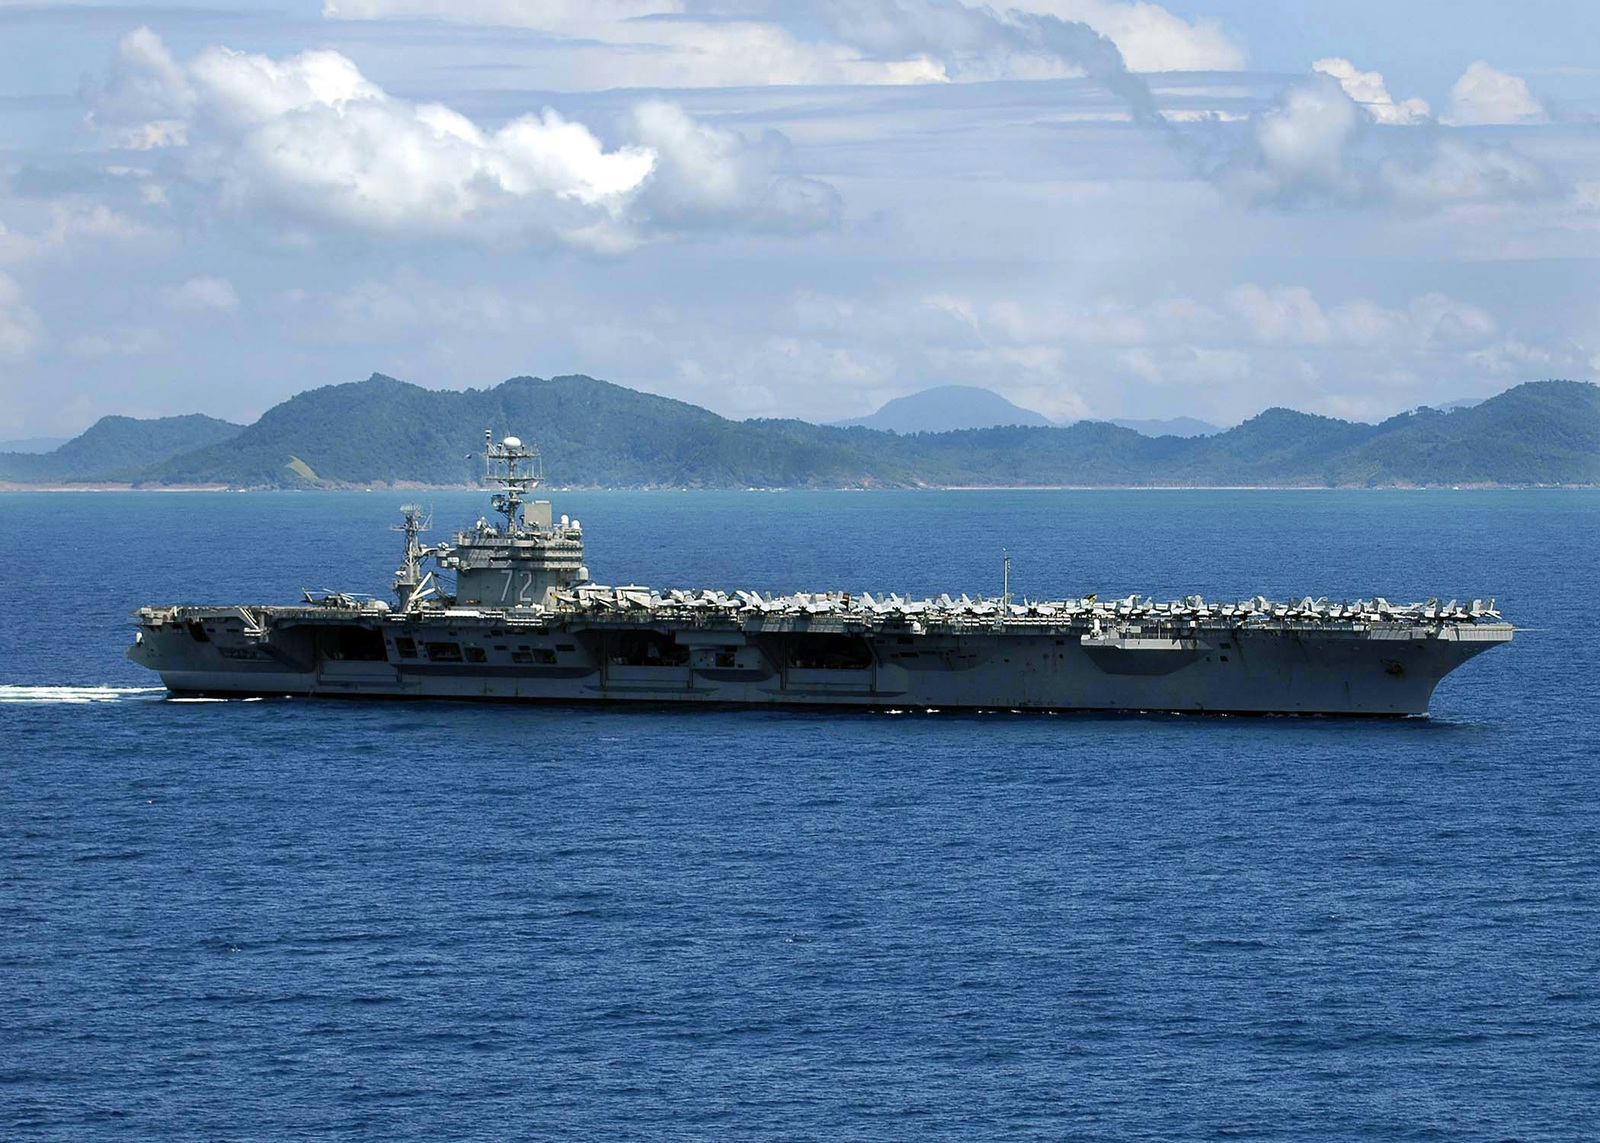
(399, 488)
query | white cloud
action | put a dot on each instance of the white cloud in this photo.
(1246, 316)
(244, 91)
(310, 137)
(1255, 345)
(1283, 314)
(1454, 171)
(1369, 90)
(1429, 321)
(1514, 358)
(1299, 148)
(1308, 150)
(19, 326)
(911, 41)
(151, 136)
(1441, 320)
(1484, 96)
(142, 83)
(984, 44)
(556, 15)
(705, 176)
(66, 222)
(200, 294)
(1150, 37)
(607, 44)
(1293, 316)
(308, 134)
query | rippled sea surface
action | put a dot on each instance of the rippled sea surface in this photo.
(271, 919)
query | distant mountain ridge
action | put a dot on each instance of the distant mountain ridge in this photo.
(116, 449)
(1171, 427)
(944, 409)
(952, 408)
(33, 445)
(593, 433)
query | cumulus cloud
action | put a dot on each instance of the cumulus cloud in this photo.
(19, 325)
(616, 43)
(1453, 171)
(1312, 149)
(141, 84)
(1484, 96)
(1149, 37)
(311, 137)
(1514, 358)
(705, 176)
(981, 43)
(1299, 150)
(1292, 315)
(66, 222)
(721, 42)
(563, 14)
(1369, 90)
(1249, 339)
(200, 294)
(1288, 315)
(1251, 331)
(1248, 314)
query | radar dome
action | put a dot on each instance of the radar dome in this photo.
(512, 442)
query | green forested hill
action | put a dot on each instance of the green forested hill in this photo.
(1545, 432)
(116, 449)
(590, 432)
(595, 433)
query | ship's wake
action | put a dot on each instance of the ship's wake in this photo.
(77, 695)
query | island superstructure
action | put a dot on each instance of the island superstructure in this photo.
(522, 621)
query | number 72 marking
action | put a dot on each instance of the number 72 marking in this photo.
(524, 592)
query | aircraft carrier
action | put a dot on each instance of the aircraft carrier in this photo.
(522, 621)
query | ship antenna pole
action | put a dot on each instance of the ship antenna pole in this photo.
(505, 468)
(1005, 578)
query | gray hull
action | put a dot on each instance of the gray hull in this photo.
(1278, 667)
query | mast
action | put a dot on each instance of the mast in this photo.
(517, 469)
(409, 577)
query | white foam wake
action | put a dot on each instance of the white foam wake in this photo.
(15, 694)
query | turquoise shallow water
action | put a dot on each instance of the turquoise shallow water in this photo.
(263, 919)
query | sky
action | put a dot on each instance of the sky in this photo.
(777, 208)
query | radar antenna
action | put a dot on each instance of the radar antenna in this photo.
(517, 469)
(409, 578)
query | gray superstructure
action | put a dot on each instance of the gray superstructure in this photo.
(524, 622)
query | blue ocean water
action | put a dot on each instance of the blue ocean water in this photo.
(275, 919)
